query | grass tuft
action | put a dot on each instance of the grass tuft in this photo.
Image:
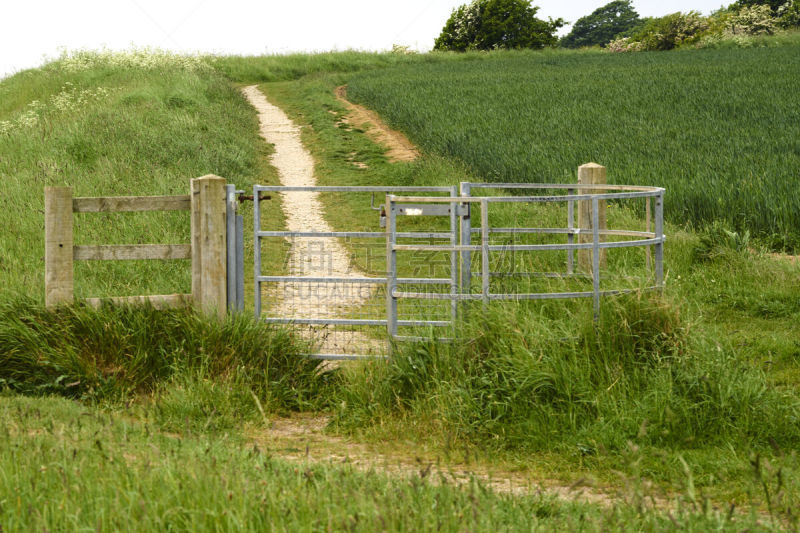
(516, 379)
(116, 352)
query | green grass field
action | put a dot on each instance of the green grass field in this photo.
(693, 395)
(718, 129)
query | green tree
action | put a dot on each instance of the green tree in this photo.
(773, 4)
(602, 25)
(492, 24)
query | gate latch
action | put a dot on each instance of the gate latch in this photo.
(249, 197)
(378, 208)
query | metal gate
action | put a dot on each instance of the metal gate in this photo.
(511, 265)
(332, 285)
(408, 274)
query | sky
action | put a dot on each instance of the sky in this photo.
(34, 30)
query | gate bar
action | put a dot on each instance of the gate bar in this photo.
(256, 253)
(391, 269)
(230, 242)
(485, 250)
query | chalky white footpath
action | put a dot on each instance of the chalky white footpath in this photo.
(308, 257)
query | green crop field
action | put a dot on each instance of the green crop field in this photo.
(720, 129)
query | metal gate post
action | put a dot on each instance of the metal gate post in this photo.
(660, 235)
(391, 269)
(596, 256)
(230, 241)
(256, 253)
(466, 239)
(453, 257)
(485, 251)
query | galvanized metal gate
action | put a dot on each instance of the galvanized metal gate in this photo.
(507, 270)
(332, 285)
(351, 294)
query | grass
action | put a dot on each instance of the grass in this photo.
(717, 128)
(289, 67)
(68, 467)
(118, 353)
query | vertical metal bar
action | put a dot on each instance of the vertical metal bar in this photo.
(570, 236)
(485, 250)
(230, 244)
(239, 263)
(391, 269)
(256, 252)
(647, 251)
(596, 256)
(466, 239)
(453, 255)
(660, 235)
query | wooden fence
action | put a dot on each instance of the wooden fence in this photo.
(207, 250)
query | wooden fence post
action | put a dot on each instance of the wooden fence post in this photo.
(58, 276)
(590, 174)
(209, 281)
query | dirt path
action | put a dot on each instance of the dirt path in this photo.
(302, 438)
(309, 257)
(399, 147)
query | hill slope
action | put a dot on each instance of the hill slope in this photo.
(115, 124)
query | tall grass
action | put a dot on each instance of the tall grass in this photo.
(536, 379)
(718, 128)
(272, 68)
(120, 353)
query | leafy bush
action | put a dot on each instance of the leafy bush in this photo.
(718, 241)
(672, 31)
(789, 14)
(493, 24)
(624, 44)
(755, 20)
(734, 26)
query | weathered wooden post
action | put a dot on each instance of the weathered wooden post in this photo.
(209, 280)
(58, 276)
(590, 174)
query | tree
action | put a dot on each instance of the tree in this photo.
(602, 25)
(492, 24)
(773, 4)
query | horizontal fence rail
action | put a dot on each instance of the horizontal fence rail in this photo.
(121, 252)
(120, 204)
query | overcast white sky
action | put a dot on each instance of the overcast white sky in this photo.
(31, 30)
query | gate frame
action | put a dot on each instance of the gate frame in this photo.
(586, 196)
(258, 278)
